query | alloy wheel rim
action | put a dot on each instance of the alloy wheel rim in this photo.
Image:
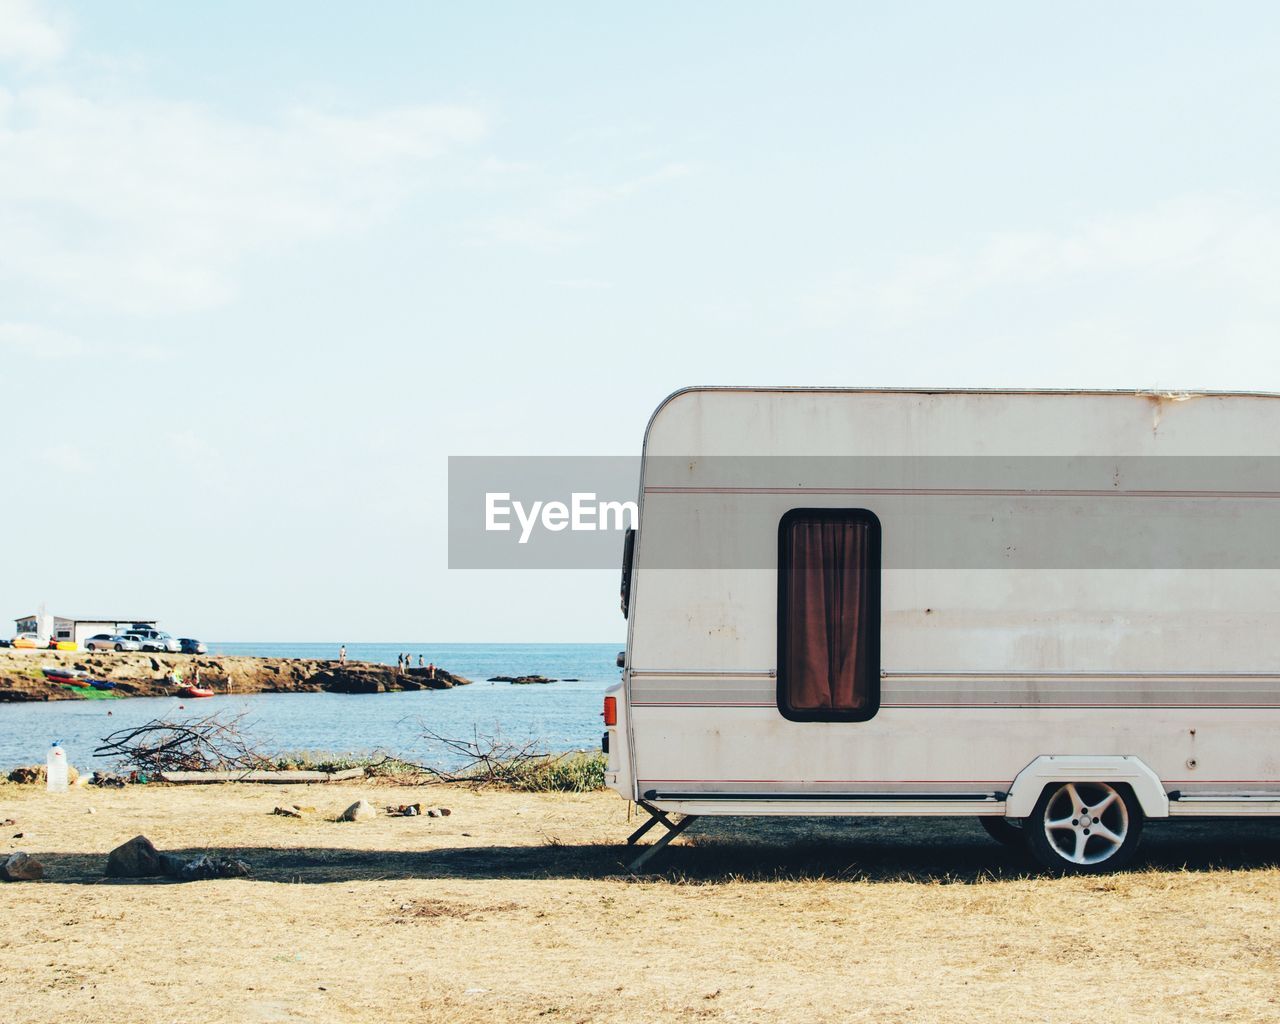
(1086, 822)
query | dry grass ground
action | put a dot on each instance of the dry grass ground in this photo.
(516, 908)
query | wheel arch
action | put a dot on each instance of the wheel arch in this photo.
(1057, 768)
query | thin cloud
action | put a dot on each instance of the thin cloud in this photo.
(582, 284)
(561, 219)
(29, 35)
(147, 206)
(1193, 245)
(36, 341)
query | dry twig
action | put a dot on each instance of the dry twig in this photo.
(213, 743)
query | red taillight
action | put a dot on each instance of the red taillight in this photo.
(611, 711)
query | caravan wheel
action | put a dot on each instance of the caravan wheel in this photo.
(1004, 830)
(1085, 827)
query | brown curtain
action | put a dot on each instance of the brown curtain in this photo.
(826, 594)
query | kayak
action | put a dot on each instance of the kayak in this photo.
(63, 673)
(195, 691)
(101, 684)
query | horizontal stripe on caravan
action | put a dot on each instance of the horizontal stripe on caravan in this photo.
(927, 782)
(802, 784)
(1117, 689)
(938, 785)
(671, 673)
(700, 673)
(984, 705)
(1076, 674)
(977, 689)
(967, 492)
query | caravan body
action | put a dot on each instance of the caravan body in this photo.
(957, 602)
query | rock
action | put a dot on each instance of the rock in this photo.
(138, 858)
(438, 812)
(521, 680)
(21, 867)
(171, 864)
(422, 678)
(208, 866)
(361, 810)
(7, 821)
(287, 812)
(143, 674)
(404, 810)
(35, 773)
(357, 678)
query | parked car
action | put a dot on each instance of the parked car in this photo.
(190, 646)
(28, 640)
(154, 640)
(4, 642)
(108, 642)
(151, 644)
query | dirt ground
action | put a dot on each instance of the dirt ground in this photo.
(517, 907)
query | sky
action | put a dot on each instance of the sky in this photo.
(264, 268)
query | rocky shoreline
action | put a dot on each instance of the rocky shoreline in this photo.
(150, 675)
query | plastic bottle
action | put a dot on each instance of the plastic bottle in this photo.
(56, 772)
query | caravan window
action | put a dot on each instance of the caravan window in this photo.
(829, 615)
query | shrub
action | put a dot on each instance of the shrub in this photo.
(575, 772)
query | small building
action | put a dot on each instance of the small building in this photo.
(58, 628)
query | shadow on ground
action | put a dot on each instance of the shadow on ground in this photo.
(713, 850)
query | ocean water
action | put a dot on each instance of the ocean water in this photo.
(560, 716)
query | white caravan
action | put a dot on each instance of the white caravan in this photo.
(1056, 611)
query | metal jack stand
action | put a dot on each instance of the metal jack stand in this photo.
(673, 830)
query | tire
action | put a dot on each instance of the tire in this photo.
(119, 647)
(1008, 831)
(1085, 828)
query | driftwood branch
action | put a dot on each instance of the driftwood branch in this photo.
(488, 759)
(212, 743)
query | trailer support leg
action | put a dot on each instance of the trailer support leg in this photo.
(673, 830)
(655, 816)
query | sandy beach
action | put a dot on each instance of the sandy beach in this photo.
(518, 907)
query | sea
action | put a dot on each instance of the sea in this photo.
(555, 717)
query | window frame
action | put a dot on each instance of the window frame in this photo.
(873, 568)
(628, 567)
